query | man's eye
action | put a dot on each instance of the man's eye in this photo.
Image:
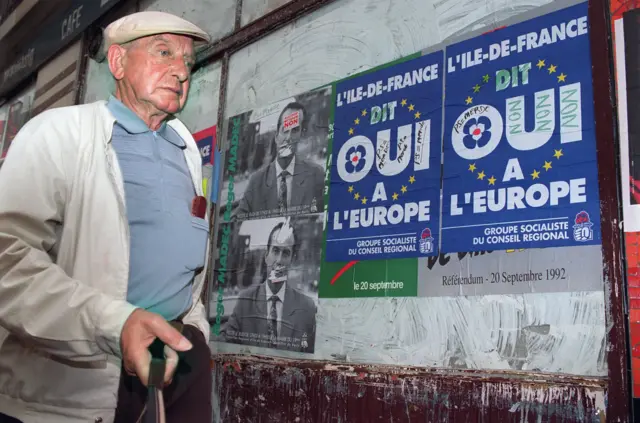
(164, 53)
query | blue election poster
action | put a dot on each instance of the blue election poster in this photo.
(384, 194)
(519, 143)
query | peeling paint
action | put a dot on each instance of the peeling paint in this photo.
(307, 391)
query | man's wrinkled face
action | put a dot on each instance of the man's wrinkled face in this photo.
(158, 70)
(280, 254)
(290, 132)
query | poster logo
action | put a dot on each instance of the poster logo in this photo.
(355, 159)
(426, 241)
(291, 121)
(477, 132)
(583, 228)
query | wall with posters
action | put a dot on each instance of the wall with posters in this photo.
(520, 169)
(514, 306)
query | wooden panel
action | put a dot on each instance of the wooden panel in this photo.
(250, 389)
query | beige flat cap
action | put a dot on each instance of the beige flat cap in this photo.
(143, 24)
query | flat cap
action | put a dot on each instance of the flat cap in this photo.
(143, 24)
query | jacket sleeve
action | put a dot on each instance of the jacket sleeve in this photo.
(197, 317)
(197, 314)
(39, 302)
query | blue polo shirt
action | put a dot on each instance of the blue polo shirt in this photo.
(167, 243)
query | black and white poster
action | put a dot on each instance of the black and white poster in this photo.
(266, 278)
(280, 159)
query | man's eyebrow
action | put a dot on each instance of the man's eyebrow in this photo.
(160, 37)
(188, 56)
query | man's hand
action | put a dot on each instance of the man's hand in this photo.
(139, 331)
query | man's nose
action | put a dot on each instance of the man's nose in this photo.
(180, 70)
(279, 257)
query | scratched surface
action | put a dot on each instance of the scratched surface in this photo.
(250, 389)
(563, 332)
(349, 36)
(253, 9)
(560, 332)
(201, 109)
(217, 17)
(99, 82)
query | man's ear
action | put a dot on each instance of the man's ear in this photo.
(116, 57)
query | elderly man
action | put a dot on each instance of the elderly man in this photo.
(103, 239)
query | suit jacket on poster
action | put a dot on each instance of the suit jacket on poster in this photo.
(250, 317)
(262, 192)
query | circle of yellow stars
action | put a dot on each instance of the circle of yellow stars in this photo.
(548, 165)
(412, 179)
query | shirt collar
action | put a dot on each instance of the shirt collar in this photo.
(280, 293)
(288, 169)
(132, 123)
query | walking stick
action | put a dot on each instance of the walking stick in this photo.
(154, 409)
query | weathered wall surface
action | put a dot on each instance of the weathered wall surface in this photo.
(201, 109)
(217, 17)
(350, 36)
(254, 9)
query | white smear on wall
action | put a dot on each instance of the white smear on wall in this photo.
(254, 9)
(560, 332)
(349, 36)
(216, 17)
(201, 109)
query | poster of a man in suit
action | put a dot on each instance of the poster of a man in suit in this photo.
(281, 156)
(278, 311)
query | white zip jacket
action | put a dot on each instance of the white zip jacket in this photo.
(64, 266)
